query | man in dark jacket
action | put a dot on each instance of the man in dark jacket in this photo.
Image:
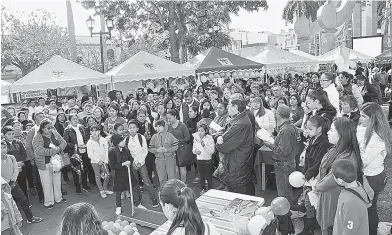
(237, 145)
(285, 147)
(189, 102)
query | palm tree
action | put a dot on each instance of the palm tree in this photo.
(71, 30)
(297, 8)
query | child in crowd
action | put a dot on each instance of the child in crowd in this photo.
(204, 147)
(351, 212)
(11, 219)
(119, 159)
(117, 129)
(9, 172)
(164, 145)
(17, 149)
(316, 129)
(98, 150)
(137, 145)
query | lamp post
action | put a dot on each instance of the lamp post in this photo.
(90, 22)
(212, 32)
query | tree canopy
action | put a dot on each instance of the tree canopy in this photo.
(28, 44)
(297, 8)
(184, 24)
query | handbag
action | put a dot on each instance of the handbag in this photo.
(184, 155)
(104, 171)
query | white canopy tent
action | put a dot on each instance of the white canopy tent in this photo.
(280, 61)
(303, 54)
(59, 72)
(145, 66)
(354, 56)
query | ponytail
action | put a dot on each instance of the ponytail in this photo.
(321, 121)
(176, 193)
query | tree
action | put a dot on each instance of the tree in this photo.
(181, 21)
(297, 8)
(33, 42)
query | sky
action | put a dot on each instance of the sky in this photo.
(254, 22)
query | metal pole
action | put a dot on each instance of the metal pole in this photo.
(102, 59)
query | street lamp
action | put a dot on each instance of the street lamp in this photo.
(90, 22)
(213, 31)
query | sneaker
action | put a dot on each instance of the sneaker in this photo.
(86, 188)
(141, 189)
(63, 201)
(49, 207)
(78, 191)
(108, 192)
(35, 219)
(33, 191)
(196, 181)
(128, 194)
(118, 210)
(155, 203)
(103, 194)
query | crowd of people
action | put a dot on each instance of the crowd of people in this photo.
(329, 129)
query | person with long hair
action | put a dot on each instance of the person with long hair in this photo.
(181, 133)
(264, 117)
(179, 206)
(317, 103)
(346, 87)
(81, 219)
(374, 137)
(297, 112)
(46, 144)
(342, 136)
(113, 119)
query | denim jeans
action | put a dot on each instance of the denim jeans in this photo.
(166, 169)
(205, 173)
(97, 172)
(282, 173)
(146, 180)
(377, 183)
(37, 182)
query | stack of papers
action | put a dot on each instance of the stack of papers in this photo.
(264, 135)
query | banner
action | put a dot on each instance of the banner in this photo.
(33, 94)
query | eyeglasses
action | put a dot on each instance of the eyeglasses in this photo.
(325, 80)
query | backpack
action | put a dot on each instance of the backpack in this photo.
(139, 136)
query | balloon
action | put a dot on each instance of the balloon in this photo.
(116, 225)
(128, 228)
(105, 223)
(122, 233)
(240, 74)
(235, 75)
(132, 225)
(203, 78)
(117, 221)
(110, 232)
(117, 231)
(211, 76)
(106, 226)
(135, 229)
(228, 74)
(280, 206)
(124, 223)
(216, 75)
(136, 233)
(246, 75)
(297, 179)
(222, 75)
(111, 223)
(256, 224)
